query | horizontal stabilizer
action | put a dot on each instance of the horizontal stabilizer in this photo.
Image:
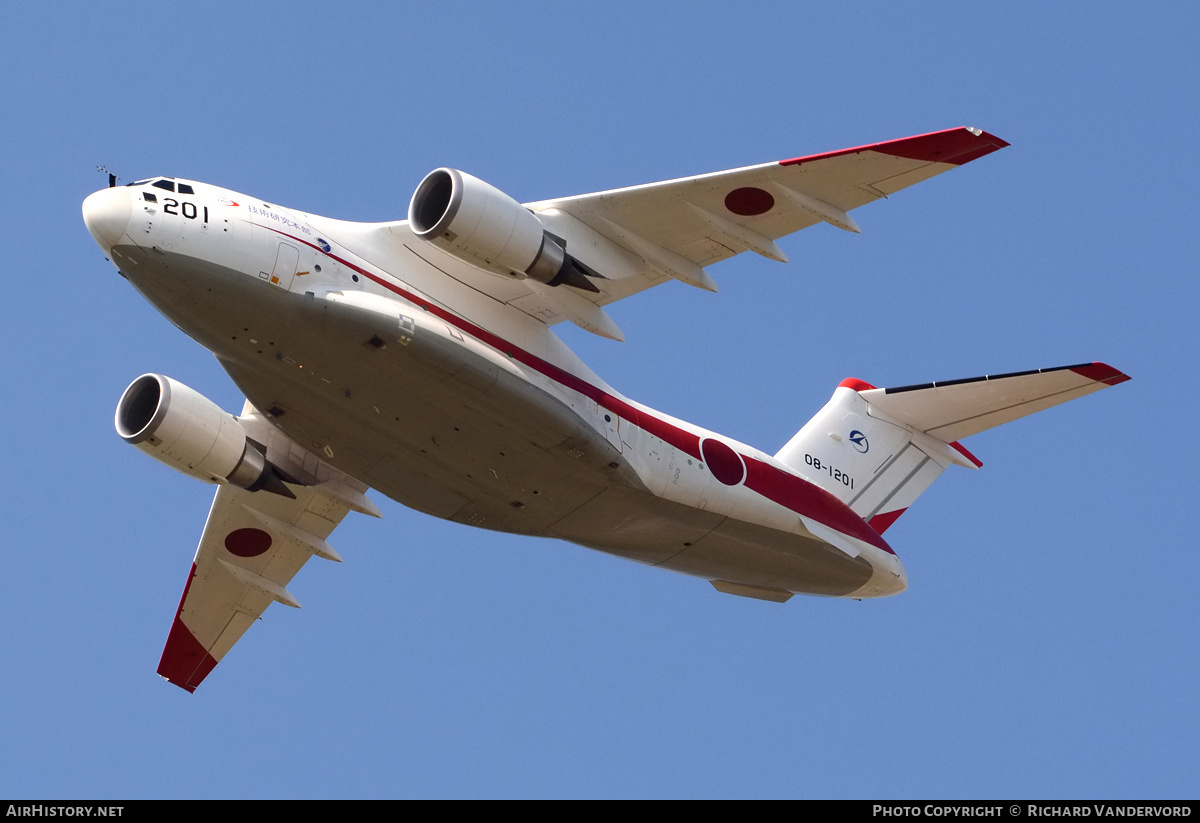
(954, 409)
(878, 450)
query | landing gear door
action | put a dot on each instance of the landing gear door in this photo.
(284, 272)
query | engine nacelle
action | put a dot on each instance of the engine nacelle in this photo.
(182, 428)
(481, 225)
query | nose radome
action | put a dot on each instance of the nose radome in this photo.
(106, 214)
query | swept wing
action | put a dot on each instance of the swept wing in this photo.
(633, 238)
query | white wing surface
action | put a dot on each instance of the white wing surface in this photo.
(677, 227)
(953, 409)
(253, 544)
(638, 237)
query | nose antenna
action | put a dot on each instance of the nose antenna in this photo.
(112, 178)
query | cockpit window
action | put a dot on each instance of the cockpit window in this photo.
(148, 197)
(169, 185)
(184, 188)
(140, 182)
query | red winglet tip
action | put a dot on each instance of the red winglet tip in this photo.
(954, 146)
(961, 449)
(1102, 373)
(185, 662)
(856, 384)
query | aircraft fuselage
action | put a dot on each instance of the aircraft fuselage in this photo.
(368, 355)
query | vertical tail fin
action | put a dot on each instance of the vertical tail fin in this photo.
(879, 449)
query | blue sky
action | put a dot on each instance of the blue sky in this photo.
(1047, 646)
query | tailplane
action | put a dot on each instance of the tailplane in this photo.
(878, 449)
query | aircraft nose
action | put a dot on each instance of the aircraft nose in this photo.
(106, 214)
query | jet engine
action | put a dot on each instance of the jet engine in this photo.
(182, 428)
(481, 225)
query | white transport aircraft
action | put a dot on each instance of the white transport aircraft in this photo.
(416, 357)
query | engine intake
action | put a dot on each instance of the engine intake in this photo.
(182, 428)
(481, 225)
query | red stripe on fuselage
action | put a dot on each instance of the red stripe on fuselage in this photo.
(788, 490)
(796, 493)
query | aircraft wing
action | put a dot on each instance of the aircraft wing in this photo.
(252, 546)
(675, 228)
(638, 237)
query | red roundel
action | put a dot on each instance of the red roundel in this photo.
(723, 462)
(247, 542)
(749, 201)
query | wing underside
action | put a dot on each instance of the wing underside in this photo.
(253, 544)
(641, 236)
(954, 409)
(711, 217)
